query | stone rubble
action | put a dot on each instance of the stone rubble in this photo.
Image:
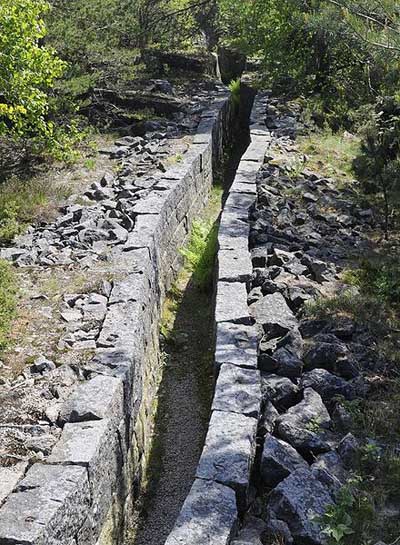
(298, 250)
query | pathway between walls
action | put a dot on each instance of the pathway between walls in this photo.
(185, 394)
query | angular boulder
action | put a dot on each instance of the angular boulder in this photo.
(305, 425)
(273, 313)
(280, 390)
(278, 460)
(327, 384)
(299, 500)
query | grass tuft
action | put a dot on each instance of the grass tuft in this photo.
(200, 252)
(8, 301)
(235, 87)
(330, 154)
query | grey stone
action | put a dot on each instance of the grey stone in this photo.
(9, 478)
(94, 445)
(229, 451)
(278, 460)
(327, 384)
(231, 304)
(333, 356)
(304, 425)
(280, 390)
(349, 451)
(42, 365)
(208, 516)
(278, 532)
(288, 364)
(251, 533)
(234, 266)
(328, 469)
(238, 390)
(269, 417)
(121, 325)
(238, 201)
(298, 501)
(98, 398)
(273, 313)
(49, 506)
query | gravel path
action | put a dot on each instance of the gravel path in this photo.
(182, 417)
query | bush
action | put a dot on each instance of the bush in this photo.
(378, 165)
(27, 69)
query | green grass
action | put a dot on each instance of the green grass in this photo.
(235, 87)
(23, 202)
(330, 154)
(200, 252)
(8, 301)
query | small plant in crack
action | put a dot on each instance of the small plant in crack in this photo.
(336, 522)
(314, 425)
(200, 253)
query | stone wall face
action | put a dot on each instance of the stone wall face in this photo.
(84, 491)
(220, 491)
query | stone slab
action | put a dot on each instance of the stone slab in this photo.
(256, 150)
(229, 451)
(234, 266)
(246, 187)
(231, 305)
(48, 507)
(248, 167)
(236, 344)
(208, 516)
(121, 325)
(239, 201)
(98, 398)
(94, 445)
(9, 478)
(238, 390)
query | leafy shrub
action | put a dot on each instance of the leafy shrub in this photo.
(27, 69)
(378, 165)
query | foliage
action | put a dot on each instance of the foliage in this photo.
(337, 521)
(200, 252)
(331, 154)
(27, 69)
(235, 89)
(379, 277)
(8, 302)
(378, 165)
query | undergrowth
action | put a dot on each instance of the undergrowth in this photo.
(331, 154)
(200, 252)
(8, 301)
(24, 202)
(235, 89)
(372, 302)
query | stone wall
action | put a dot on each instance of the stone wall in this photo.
(84, 491)
(220, 493)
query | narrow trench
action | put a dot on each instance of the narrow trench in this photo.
(185, 394)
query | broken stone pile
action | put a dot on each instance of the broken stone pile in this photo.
(104, 216)
(302, 230)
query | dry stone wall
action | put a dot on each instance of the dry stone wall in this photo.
(220, 492)
(84, 491)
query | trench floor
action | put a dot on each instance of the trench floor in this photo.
(183, 402)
